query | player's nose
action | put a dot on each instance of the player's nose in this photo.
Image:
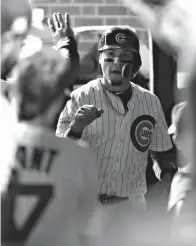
(116, 60)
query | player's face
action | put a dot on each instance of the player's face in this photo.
(112, 62)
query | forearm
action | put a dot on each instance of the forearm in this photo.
(84, 116)
(71, 134)
(164, 163)
(68, 49)
(74, 132)
(62, 126)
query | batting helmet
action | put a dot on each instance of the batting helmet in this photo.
(46, 75)
(121, 37)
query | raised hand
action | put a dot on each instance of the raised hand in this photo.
(60, 28)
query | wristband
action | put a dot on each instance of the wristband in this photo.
(73, 135)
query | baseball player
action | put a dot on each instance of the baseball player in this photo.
(15, 23)
(53, 190)
(180, 130)
(121, 121)
(182, 199)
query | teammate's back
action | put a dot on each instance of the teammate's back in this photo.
(55, 191)
(52, 191)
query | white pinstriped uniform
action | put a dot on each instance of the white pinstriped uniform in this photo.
(122, 156)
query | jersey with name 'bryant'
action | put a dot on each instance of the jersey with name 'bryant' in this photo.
(55, 190)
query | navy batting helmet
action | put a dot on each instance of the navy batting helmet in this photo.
(121, 37)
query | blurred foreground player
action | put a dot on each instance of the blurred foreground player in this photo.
(15, 23)
(182, 200)
(182, 138)
(171, 23)
(52, 192)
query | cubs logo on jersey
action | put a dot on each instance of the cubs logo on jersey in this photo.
(141, 132)
(119, 154)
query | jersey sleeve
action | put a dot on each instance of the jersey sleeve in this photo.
(66, 116)
(161, 140)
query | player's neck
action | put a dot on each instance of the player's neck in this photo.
(49, 118)
(115, 89)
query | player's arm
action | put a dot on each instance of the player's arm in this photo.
(177, 194)
(164, 163)
(75, 117)
(67, 116)
(64, 41)
(161, 149)
(143, 11)
(84, 116)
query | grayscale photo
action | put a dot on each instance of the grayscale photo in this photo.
(98, 123)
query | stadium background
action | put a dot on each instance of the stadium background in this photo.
(92, 12)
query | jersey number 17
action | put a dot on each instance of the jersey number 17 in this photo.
(9, 231)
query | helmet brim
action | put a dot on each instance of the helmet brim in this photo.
(106, 47)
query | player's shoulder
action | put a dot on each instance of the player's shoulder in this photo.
(38, 135)
(142, 90)
(66, 154)
(87, 89)
(146, 94)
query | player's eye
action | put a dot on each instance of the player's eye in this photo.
(110, 54)
(126, 61)
(109, 60)
(127, 57)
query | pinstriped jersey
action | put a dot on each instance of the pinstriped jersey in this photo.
(120, 139)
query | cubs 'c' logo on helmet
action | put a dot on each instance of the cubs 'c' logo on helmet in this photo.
(141, 132)
(120, 38)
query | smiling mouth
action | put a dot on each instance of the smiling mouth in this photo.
(117, 83)
(116, 72)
